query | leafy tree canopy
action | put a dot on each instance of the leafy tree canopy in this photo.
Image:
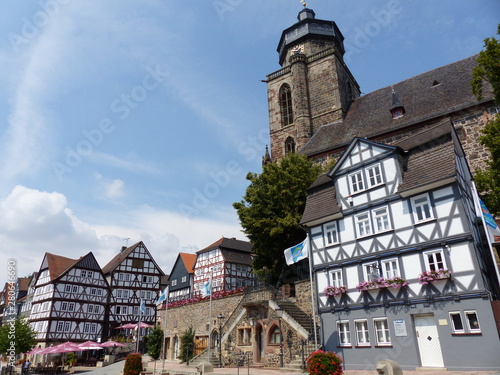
(488, 69)
(155, 342)
(271, 210)
(16, 334)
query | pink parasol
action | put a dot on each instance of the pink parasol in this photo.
(89, 345)
(65, 347)
(134, 326)
(111, 344)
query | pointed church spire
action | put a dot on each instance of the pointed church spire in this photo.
(266, 159)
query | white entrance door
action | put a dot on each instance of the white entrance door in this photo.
(428, 341)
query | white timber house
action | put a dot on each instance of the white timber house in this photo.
(401, 264)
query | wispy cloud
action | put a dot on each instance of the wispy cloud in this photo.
(135, 165)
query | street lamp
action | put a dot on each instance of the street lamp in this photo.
(220, 318)
(279, 314)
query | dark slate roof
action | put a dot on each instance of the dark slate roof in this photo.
(228, 244)
(430, 156)
(321, 200)
(422, 99)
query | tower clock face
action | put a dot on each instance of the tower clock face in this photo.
(297, 49)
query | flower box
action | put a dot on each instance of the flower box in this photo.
(395, 282)
(332, 291)
(431, 276)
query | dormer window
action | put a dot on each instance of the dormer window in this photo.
(397, 109)
(435, 83)
(397, 112)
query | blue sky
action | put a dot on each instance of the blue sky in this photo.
(123, 121)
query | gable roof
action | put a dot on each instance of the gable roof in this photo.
(369, 115)
(428, 157)
(228, 244)
(189, 260)
(123, 254)
(57, 264)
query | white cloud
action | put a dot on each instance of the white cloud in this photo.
(33, 222)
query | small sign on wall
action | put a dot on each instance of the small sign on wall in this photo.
(400, 327)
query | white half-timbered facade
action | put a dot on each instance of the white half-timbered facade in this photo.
(228, 262)
(133, 275)
(69, 301)
(400, 265)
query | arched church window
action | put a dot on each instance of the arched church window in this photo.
(289, 146)
(286, 105)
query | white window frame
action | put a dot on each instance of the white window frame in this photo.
(64, 306)
(362, 335)
(420, 208)
(344, 331)
(363, 226)
(83, 273)
(454, 328)
(331, 233)
(377, 175)
(184, 279)
(369, 266)
(336, 278)
(381, 221)
(60, 327)
(174, 282)
(67, 326)
(472, 329)
(390, 268)
(86, 328)
(357, 182)
(382, 332)
(433, 264)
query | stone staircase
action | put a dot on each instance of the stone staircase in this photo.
(294, 366)
(203, 357)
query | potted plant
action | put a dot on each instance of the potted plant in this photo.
(394, 282)
(332, 291)
(324, 363)
(427, 277)
(133, 364)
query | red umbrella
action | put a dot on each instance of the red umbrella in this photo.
(35, 351)
(111, 344)
(127, 326)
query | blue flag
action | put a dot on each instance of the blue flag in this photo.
(489, 220)
(298, 252)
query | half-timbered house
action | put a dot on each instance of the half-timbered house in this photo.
(181, 277)
(228, 262)
(133, 275)
(69, 300)
(401, 268)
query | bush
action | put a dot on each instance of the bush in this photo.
(324, 363)
(133, 364)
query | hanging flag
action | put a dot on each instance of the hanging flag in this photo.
(162, 297)
(298, 252)
(491, 224)
(207, 287)
(143, 306)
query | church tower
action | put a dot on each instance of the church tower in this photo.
(313, 87)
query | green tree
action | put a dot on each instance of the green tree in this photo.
(187, 345)
(16, 335)
(155, 342)
(271, 210)
(488, 69)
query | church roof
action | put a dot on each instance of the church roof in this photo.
(425, 97)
